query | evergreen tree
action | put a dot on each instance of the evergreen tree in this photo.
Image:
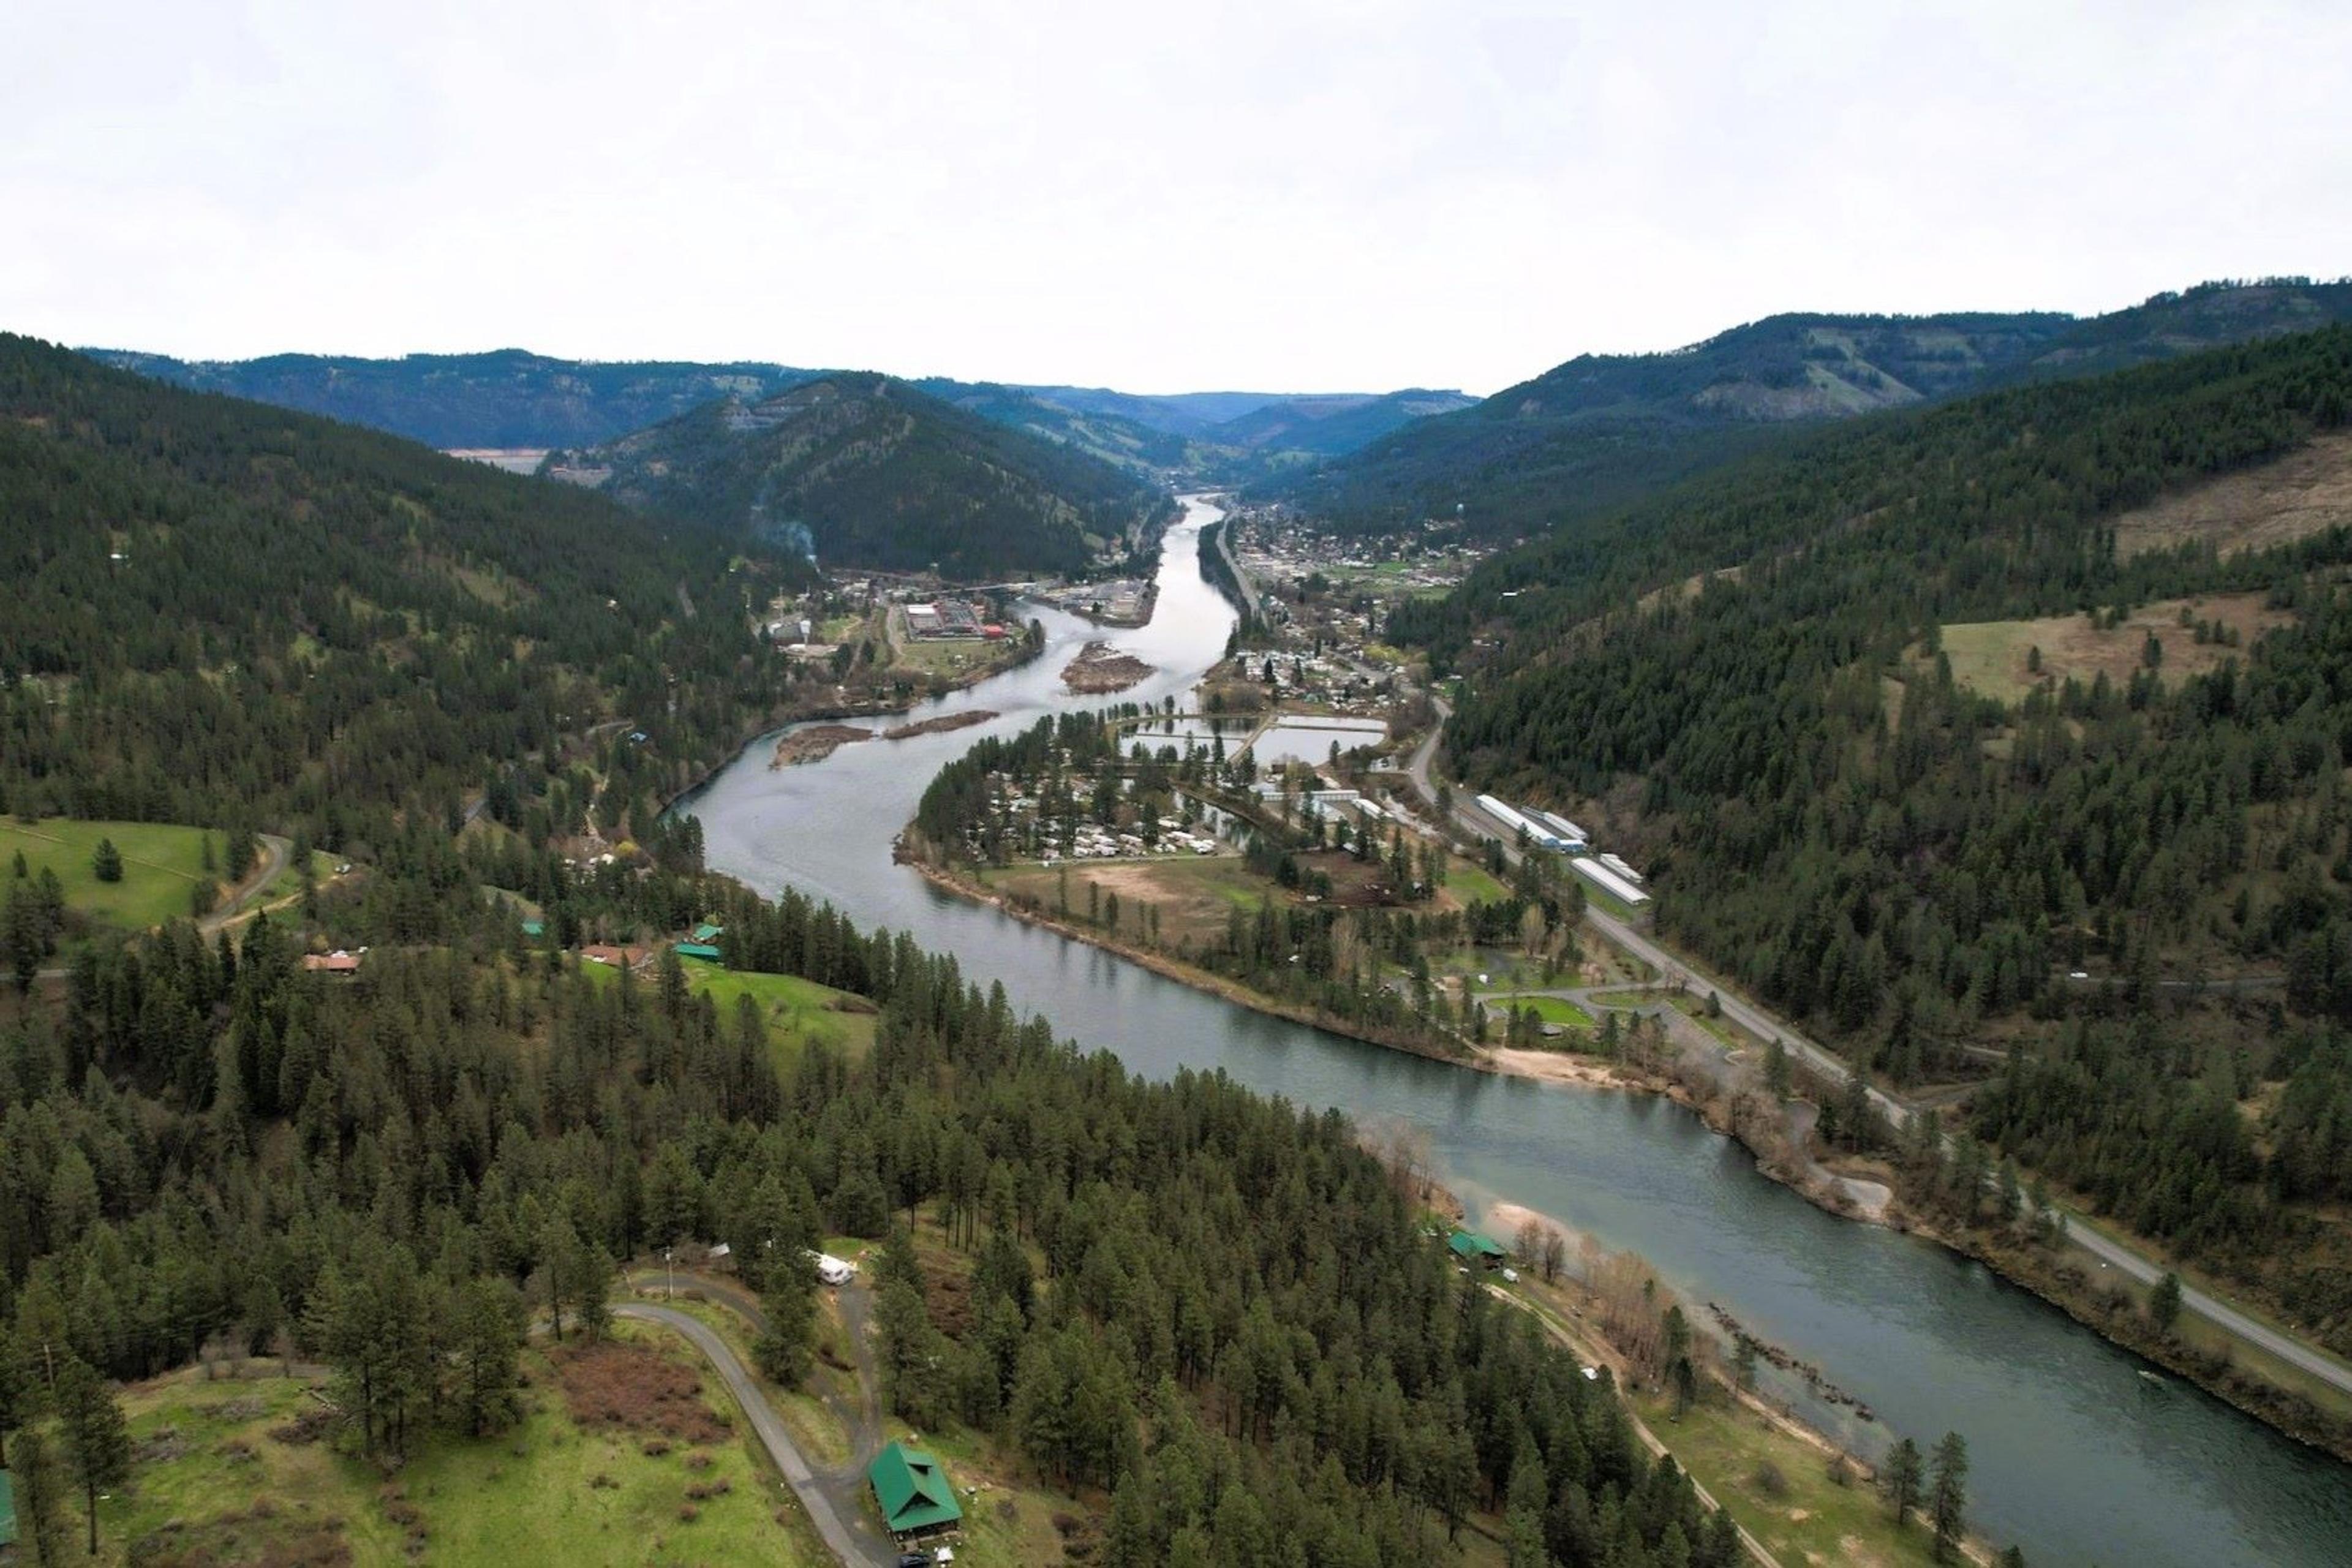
(2164, 1302)
(786, 1347)
(97, 1439)
(41, 1524)
(1948, 1507)
(1903, 1480)
(106, 861)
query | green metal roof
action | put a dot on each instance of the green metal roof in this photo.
(706, 931)
(914, 1491)
(534, 928)
(701, 950)
(1475, 1244)
(8, 1511)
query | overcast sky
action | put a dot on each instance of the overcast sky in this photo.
(1268, 193)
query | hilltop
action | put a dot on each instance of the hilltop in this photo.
(1602, 431)
(869, 470)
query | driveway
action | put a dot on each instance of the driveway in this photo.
(835, 1503)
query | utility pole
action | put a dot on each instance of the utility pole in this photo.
(670, 1278)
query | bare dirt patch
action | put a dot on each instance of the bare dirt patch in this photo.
(1996, 657)
(2307, 490)
(639, 1390)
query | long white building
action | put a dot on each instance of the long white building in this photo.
(1609, 881)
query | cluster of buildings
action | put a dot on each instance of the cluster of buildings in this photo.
(1548, 830)
(1095, 842)
(951, 618)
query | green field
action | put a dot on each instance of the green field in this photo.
(214, 1484)
(1780, 1490)
(1470, 882)
(161, 865)
(798, 1011)
(1550, 1009)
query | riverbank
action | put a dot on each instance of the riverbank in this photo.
(1810, 1181)
(1797, 1494)
(1175, 969)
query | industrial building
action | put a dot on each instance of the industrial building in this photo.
(1609, 881)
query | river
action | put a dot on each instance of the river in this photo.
(2073, 1455)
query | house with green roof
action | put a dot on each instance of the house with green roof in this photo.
(1476, 1246)
(8, 1511)
(916, 1497)
(699, 949)
(706, 931)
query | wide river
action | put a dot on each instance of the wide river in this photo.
(2074, 1455)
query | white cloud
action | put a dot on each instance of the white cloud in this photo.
(1218, 194)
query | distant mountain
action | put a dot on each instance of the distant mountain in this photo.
(1189, 414)
(1330, 426)
(505, 398)
(871, 471)
(513, 399)
(1113, 437)
(1603, 430)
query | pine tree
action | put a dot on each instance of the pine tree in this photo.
(97, 1439)
(2164, 1302)
(106, 861)
(1947, 1506)
(490, 1320)
(41, 1524)
(1903, 1480)
(787, 1344)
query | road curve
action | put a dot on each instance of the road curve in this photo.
(1764, 1026)
(840, 1538)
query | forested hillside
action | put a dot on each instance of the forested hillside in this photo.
(224, 613)
(1911, 861)
(1234, 1334)
(1602, 431)
(867, 471)
(507, 398)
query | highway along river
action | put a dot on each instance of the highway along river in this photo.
(2074, 1455)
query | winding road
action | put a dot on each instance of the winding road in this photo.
(1673, 967)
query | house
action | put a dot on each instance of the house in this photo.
(701, 950)
(706, 931)
(916, 1497)
(335, 963)
(622, 957)
(534, 929)
(1476, 1246)
(8, 1511)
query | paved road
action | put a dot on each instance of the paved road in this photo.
(856, 1540)
(1764, 1026)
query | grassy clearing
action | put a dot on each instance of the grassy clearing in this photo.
(1471, 884)
(1993, 657)
(1550, 1009)
(1694, 1007)
(222, 1478)
(1780, 1487)
(162, 865)
(797, 1011)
